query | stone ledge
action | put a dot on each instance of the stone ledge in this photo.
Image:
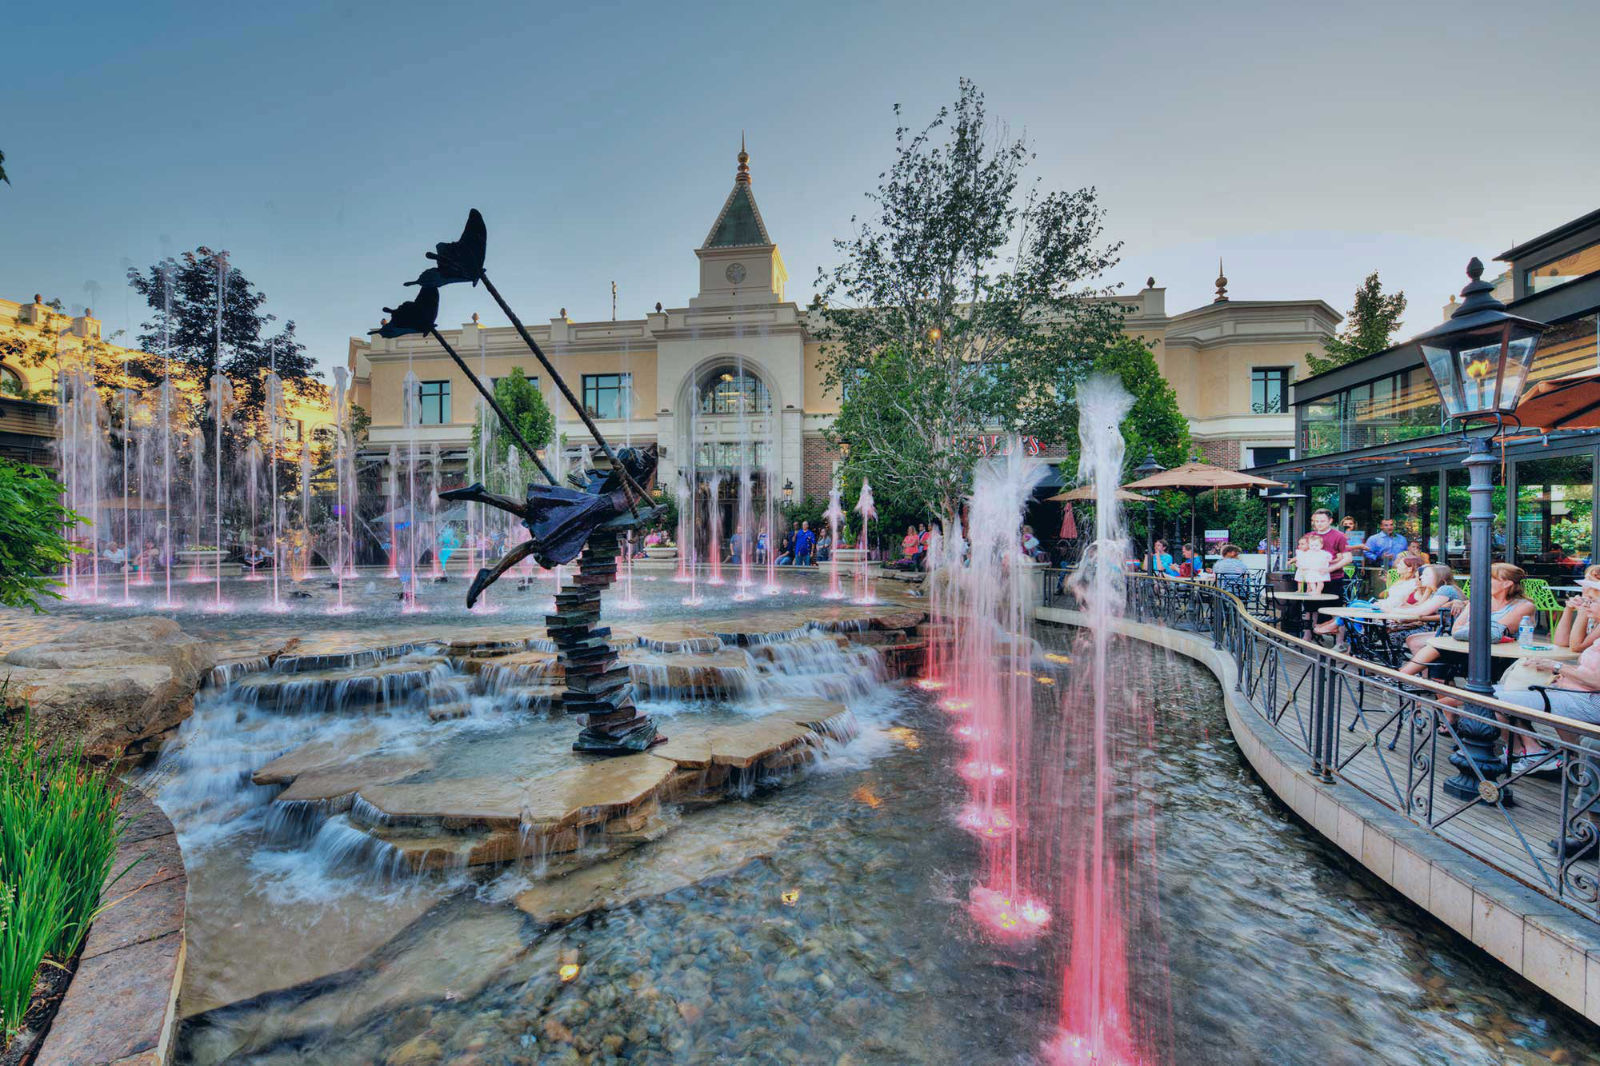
(1539, 938)
(121, 1007)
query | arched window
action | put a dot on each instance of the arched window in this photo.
(10, 382)
(728, 390)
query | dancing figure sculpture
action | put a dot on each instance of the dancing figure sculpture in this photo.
(585, 521)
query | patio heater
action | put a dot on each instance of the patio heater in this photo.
(1149, 468)
(1286, 503)
(1479, 360)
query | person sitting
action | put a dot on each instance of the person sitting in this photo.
(1507, 609)
(786, 556)
(115, 557)
(1160, 561)
(1031, 548)
(824, 546)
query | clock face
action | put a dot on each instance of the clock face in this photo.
(735, 272)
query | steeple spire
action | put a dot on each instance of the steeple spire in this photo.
(743, 177)
(1222, 284)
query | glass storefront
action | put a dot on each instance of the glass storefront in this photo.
(1416, 509)
(1363, 501)
(1458, 505)
(1555, 515)
(1398, 407)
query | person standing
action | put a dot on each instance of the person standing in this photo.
(1335, 544)
(1383, 547)
(804, 541)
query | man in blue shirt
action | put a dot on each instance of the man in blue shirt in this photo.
(804, 540)
(1382, 548)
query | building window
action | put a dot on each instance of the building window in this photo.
(494, 383)
(10, 382)
(1269, 390)
(1270, 456)
(435, 400)
(728, 390)
(297, 428)
(608, 395)
(1569, 267)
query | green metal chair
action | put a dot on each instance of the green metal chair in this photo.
(1544, 601)
(1465, 585)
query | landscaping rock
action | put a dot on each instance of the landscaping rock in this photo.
(108, 685)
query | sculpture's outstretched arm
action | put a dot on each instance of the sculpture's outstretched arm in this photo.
(487, 577)
(476, 493)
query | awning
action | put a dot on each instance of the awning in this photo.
(1571, 401)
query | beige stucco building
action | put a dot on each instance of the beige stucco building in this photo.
(739, 362)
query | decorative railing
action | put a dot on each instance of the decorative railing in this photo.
(1420, 747)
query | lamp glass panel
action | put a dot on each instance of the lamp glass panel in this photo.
(1478, 369)
(1441, 365)
(1519, 360)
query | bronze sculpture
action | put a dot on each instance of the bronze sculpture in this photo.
(585, 522)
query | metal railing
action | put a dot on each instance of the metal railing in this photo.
(1415, 745)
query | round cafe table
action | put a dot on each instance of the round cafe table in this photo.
(1508, 650)
(1292, 608)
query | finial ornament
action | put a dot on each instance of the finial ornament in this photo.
(744, 162)
(1477, 295)
(1222, 284)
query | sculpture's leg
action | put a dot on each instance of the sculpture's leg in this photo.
(478, 494)
(597, 684)
(489, 575)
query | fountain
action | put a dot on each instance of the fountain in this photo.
(867, 511)
(835, 516)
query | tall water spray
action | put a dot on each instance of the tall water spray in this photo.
(868, 511)
(221, 401)
(1101, 860)
(275, 450)
(835, 516)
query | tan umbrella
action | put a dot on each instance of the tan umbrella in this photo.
(1087, 493)
(1195, 477)
(1568, 402)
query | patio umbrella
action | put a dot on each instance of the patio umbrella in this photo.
(1195, 477)
(1568, 402)
(1086, 493)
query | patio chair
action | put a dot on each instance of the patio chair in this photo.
(1538, 591)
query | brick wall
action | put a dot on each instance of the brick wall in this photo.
(1223, 453)
(817, 460)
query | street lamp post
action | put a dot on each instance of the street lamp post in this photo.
(1286, 503)
(1149, 468)
(1479, 360)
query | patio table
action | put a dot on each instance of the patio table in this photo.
(1507, 650)
(1292, 605)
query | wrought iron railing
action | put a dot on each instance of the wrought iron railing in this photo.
(1419, 747)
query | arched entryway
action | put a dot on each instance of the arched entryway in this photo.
(727, 433)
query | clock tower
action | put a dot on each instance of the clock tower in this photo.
(739, 264)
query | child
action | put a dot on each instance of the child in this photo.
(1311, 564)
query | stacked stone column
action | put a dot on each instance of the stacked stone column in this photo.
(598, 684)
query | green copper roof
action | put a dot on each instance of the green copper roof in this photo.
(739, 224)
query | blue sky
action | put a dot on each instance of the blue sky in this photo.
(327, 145)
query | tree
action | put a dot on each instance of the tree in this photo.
(965, 306)
(3, 175)
(32, 548)
(520, 399)
(183, 333)
(1368, 328)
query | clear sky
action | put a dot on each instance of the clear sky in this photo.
(328, 145)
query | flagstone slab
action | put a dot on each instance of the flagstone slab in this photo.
(342, 780)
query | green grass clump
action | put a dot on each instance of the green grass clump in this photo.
(58, 838)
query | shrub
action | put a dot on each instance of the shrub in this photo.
(32, 548)
(58, 837)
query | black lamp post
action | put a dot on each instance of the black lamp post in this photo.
(1479, 360)
(1286, 502)
(1149, 468)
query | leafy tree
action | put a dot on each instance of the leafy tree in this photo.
(965, 306)
(521, 400)
(32, 548)
(3, 175)
(182, 293)
(1368, 328)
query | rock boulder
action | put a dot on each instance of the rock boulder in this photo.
(107, 685)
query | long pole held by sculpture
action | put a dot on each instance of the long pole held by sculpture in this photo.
(505, 419)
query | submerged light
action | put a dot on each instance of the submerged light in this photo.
(568, 971)
(790, 896)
